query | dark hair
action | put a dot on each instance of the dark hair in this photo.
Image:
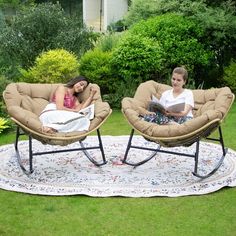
(75, 80)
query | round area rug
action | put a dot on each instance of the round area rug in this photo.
(71, 173)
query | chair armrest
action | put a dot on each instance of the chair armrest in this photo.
(25, 117)
(134, 105)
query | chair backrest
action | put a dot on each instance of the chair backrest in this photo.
(211, 107)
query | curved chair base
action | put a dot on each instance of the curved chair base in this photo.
(137, 147)
(213, 171)
(30, 169)
(195, 155)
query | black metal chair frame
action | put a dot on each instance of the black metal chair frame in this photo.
(195, 155)
(30, 170)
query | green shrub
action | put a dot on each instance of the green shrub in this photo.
(3, 83)
(217, 20)
(54, 66)
(117, 26)
(41, 28)
(76, 37)
(155, 46)
(95, 65)
(229, 78)
(108, 42)
(137, 57)
(123, 89)
(3, 124)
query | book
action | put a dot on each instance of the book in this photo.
(88, 111)
(155, 106)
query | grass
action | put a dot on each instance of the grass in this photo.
(211, 214)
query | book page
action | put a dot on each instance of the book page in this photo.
(155, 105)
(155, 99)
(176, 108)
(88, 111)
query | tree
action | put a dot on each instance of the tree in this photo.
(217, 20)
(40, 28)
(153, 47)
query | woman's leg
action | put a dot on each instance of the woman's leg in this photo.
(157, 118)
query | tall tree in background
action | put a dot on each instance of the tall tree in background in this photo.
(72, 7)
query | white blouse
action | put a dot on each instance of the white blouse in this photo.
(167, 99)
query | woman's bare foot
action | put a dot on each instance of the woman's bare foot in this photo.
(48, 130)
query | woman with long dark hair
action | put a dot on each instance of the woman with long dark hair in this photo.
(62, 113)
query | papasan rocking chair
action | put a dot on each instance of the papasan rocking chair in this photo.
(210, 108)
(25, 102)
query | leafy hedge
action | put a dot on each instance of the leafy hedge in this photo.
(53, 66)
(229, 78)
(137, 57)
(40, 28)
(95, 65)
(154, 47)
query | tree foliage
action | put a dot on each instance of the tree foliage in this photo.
(229, 78)
(155, 46)
(40, 28)
(53, 66)
(95, 64)
(217, 19)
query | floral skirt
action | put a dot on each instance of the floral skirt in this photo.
(161, 119)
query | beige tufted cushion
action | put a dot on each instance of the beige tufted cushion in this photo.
(210, 105)
(25, 102)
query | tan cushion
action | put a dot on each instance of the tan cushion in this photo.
(26, 101)
(210, 105)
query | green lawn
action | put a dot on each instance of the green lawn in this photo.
(211, 214)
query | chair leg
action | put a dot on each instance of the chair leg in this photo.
(219, 163)
(30, 170)
(131, 146)
(31, 153)
(195, 155)
(101, 149)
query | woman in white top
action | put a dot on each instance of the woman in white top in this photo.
(178, 94)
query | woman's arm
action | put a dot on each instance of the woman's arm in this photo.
(189, 104)
(87, 102)
(186, 110)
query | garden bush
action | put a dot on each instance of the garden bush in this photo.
(3, 124)
(41, 28)
(229, 78)
(54, 66)
(108, 42)
(3, 83)
(154, 47)
(217, 20)
(137, 57)
(123, 89)
(96, 66)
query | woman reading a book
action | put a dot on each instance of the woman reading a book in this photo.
(176, 104)
(62, 114)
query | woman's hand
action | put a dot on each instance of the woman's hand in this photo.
(167, 113)
(92, 92)
(145, 113)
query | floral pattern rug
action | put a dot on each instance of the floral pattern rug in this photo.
(71, 173)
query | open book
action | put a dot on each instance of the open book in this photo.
(155, 106)
(88, 111)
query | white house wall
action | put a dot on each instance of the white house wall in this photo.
(114, 10)
(91, 10)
